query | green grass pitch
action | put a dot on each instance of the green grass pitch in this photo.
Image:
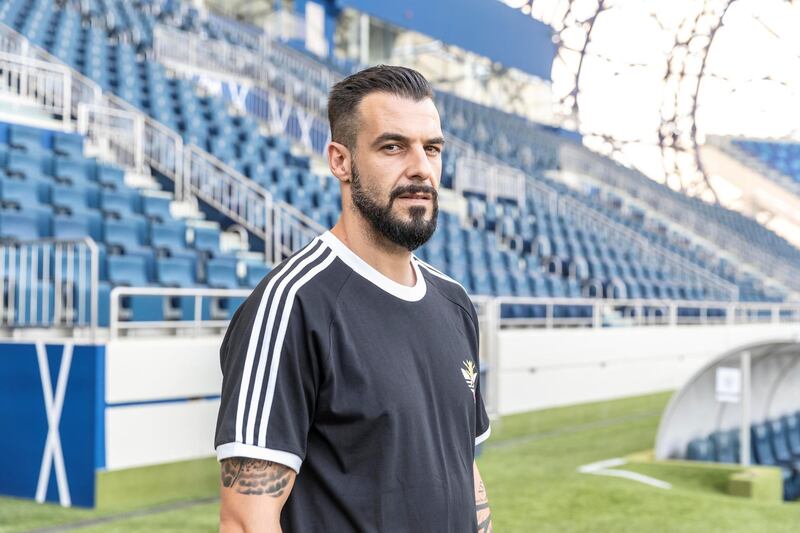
(529, 466)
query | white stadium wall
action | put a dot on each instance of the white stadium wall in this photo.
(161, 399)
(550, 368)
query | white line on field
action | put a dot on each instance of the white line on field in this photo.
(605, 468)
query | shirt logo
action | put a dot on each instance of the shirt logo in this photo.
(470, 375)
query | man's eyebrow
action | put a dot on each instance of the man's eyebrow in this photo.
(397, 137)
(384, 137)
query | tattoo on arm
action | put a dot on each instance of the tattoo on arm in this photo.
(482, 509)
(254, 476)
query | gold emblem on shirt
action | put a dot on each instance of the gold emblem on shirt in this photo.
(470, 373)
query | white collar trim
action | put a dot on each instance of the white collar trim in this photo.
(365, 270)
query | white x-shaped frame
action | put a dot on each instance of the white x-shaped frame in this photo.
(53, 407)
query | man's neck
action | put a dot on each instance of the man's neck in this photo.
(389, 259)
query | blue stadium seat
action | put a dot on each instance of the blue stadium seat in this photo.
(176, 272)
(68, 145)
(27, 139)
(156, 207)
(127, 271)
(73, 171)
(19, 193)
(19, 226)
(221, 273)
(120, 203)
(792, 426)
(25, 166)
(255, 273)
(700, 449)
(206, 239)
(110, 177)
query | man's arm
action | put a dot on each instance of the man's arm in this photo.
(481, 503)
(252, 495)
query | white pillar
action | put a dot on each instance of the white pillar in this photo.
(744, 430)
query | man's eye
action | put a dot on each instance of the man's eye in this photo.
(391, 147)
(433, 150)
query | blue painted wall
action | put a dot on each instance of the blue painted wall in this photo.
(23, 419)
(486, 27)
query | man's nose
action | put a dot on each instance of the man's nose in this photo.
(419, 167)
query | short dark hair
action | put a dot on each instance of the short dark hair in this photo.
(347, 94)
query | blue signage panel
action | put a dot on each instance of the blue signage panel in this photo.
(485, 27)
(49, 398)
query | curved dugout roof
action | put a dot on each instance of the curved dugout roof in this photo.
(694, 410)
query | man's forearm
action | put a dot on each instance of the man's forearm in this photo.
(482, 504)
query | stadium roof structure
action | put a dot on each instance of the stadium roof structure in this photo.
(646, 81)
(709, 400)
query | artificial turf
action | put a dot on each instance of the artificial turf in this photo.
(529, 466)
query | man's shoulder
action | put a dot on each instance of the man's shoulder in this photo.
(451, 289)
(310, 276)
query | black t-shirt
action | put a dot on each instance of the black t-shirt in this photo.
(372, 386)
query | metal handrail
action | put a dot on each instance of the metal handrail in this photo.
(179, 167)
(34, 276)
(47, 84)
(117, 293)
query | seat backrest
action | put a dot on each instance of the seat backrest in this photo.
(68, 145)
(175, 272)
(127, 270)
(168, 236)
(792, 433)
(121, 233)
(27, 166)
(206, 239)
(780, 445)
(699, 449)
(255, 273)
(761, 444)
(26, 138)
(724, 449)
(221, 273)
(18, 225)
(70, 227)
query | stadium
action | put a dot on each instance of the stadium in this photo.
(619, 197)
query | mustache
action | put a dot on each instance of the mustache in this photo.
(413, 189)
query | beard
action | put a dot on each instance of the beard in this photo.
(408, 234)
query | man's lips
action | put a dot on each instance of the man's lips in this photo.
(415, 196)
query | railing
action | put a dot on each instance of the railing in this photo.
(603, 313)
(43, 84)
(120, 132)
(136, 139)
(199, 321)
(495, 181)
(228, 191)
(291, 230)
(50, 283)
(82, 89)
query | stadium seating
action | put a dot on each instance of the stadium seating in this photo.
(139, 242)
(773, 442)
(521, 250)
(784, 157)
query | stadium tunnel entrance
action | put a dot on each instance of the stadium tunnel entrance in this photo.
(719, 396)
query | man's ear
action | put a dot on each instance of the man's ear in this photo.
(339, 161)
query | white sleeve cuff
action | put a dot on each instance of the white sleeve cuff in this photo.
(237, 449)
(483, 436)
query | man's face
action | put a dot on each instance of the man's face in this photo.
(397, 166)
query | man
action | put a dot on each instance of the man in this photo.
(353, 358)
